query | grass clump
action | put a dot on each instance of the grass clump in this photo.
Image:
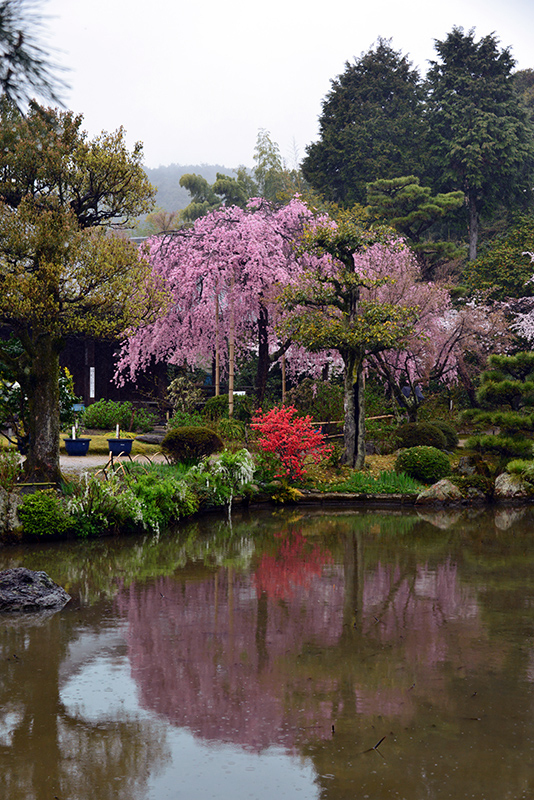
(385, 483)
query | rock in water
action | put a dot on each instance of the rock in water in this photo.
(23, 589)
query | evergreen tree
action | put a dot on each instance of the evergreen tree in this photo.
(412, 210)
(225, 191)
(504, 270)
(336, 305)
(506, 397)
(480, 135)
(371, 126)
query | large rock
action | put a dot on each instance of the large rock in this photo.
(511, 487)
(441, 492)
(23, 589)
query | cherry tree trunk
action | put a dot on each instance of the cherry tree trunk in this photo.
(42, 388)
(262, 371)
(354, 407)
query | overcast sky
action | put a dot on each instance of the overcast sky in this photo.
(195, 81)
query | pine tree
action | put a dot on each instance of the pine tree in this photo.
(506, 397)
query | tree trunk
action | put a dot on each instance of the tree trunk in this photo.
(354, 406)
(473, 226)
(264, 363)
(42, 388)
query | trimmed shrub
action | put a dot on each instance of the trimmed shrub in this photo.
(417, 434)
(183, 419)
(107, 414)
(43, 514)
(451, 437)
(425, 464)
(190, 443)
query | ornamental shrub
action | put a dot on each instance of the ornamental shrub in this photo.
(451, 437)
(43, 514)
(291, 438)
(217, 480)
(322, 400)
(104, 505)
(190, 443)
(216, 408)
(107, 414)
(425, 464)
(415, 434)
(164, 500)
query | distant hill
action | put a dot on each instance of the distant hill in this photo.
(170, 194)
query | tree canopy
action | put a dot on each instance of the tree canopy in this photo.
(371, 126)
(481, 140)
(61, 269)
(413, 210)
(335, 305)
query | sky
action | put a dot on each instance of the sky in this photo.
(196, 81)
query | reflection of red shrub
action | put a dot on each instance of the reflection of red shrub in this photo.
(295, 564)
(293, 439)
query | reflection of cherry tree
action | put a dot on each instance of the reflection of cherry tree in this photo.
(279, 655)
(212, 656)
(295, 564)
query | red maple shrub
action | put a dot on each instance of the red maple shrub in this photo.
(290, 437)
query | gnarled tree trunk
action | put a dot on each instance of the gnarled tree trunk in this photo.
(42, 389)
(354, 407)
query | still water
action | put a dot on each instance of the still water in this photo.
(289, 655)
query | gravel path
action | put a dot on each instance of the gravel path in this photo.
(75, 465)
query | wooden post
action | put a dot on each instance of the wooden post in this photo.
(217, 350)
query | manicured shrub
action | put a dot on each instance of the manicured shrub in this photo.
(190, 443)
(182, 419)
(451, 437)
(107, 414)
(416, 434)
(425, 464)
(43, 514)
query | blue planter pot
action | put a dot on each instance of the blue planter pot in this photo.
(120, 447)
(77, 447)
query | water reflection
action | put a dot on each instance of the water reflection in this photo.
(333, 655)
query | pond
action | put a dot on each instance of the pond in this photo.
(290, 654)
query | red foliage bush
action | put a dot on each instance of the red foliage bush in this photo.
(292, 438)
